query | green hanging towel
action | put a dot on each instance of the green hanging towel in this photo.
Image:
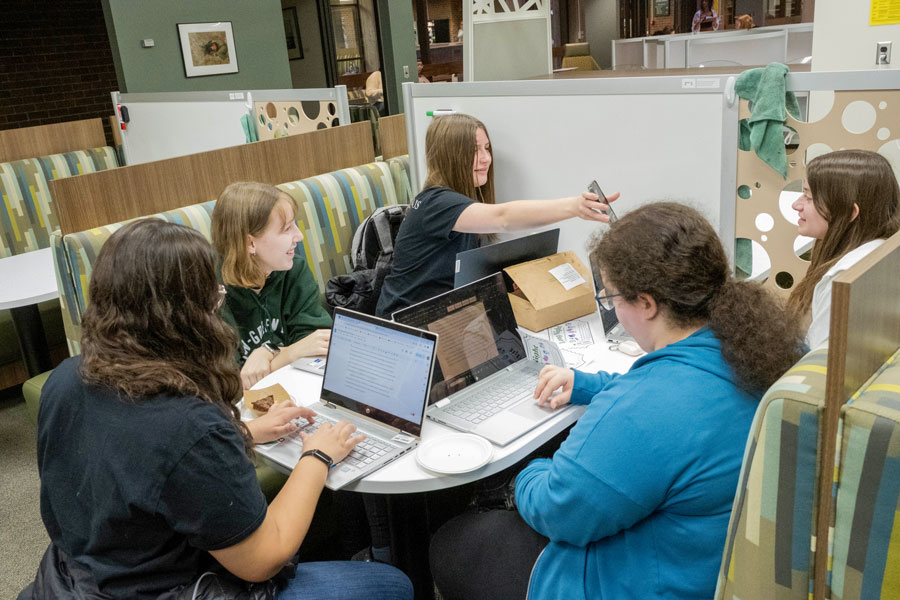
(762, 132)
(249, 129)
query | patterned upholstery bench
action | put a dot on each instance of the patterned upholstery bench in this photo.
(865, 561)
(331, 206)
(27, 220)
(767, 550)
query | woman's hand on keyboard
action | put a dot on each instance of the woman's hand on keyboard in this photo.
(551, 379)
(277, 422)
(334, 440)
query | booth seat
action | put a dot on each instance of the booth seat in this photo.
(27, 219)
(330, 207)
(768, 545)
(865, 560)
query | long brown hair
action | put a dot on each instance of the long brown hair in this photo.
(837, 181)
(450, 155)
(670, 252)
(243, 209)
(152, 326)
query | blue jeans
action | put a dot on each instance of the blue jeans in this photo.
(347, 581)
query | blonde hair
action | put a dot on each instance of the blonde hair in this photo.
(838, 180)
(243, 209)
(450, 156)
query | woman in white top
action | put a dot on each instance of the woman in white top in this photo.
(850, 205)
(706, 18)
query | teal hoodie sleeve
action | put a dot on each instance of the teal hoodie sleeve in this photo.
(302, 310)
(574, 514)
(588, 385)
(611, 472)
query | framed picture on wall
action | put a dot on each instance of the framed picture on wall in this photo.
(292, 33)
(207, 48)
(661, 8)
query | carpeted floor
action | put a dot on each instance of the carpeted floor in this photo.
(21, 529)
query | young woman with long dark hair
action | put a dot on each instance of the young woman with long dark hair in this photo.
(147, 487)
(850, 205)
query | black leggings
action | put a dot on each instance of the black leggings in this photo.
(484, 555)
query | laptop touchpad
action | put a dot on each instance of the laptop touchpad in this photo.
(530, 410)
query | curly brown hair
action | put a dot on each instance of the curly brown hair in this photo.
(671, 253)
(152, 326)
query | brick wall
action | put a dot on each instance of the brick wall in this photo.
(55, 63)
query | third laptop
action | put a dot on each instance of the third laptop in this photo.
(483, 381)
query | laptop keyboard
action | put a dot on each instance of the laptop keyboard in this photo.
(366, 452)
(490, 399)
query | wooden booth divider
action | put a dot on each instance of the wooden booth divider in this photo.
(106, 197)
(393, 136)
(41, 140)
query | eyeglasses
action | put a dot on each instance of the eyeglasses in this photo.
(606, 301)
(222, 293)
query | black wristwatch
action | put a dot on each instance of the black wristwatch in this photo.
(320, 455)
(271, 348)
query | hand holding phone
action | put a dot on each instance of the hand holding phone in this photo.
(594, 188)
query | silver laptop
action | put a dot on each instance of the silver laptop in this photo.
(377, 376)
(483, 382)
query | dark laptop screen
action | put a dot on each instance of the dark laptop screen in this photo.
(474, 264)
(477, 330)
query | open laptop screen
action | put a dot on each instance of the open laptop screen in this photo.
(477, 329)
(379, 369)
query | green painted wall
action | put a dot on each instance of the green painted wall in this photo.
(258, 39)
(398, 43)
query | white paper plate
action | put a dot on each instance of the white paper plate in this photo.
(454, 453)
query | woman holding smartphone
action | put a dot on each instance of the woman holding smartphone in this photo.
(455, 211)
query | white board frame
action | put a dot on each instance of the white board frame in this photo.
(174, 124)
(465, 97)
(471, 66)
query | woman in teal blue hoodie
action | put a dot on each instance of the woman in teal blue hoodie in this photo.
(636, 501)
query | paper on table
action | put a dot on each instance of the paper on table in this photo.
(541, 351)
(567, 276)
(572, 334)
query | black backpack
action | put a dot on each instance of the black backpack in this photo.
(371, 254)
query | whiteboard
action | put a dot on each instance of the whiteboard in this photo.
(658, 138)
(165, 125)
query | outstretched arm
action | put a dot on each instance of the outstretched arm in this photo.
(525, 214)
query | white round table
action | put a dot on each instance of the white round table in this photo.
(25, 280)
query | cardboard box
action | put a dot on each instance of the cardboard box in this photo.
(541, 300)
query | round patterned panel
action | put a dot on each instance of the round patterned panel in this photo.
(278, 119)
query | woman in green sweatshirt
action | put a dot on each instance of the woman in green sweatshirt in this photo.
(272, 299)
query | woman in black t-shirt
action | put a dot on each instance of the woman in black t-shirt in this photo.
(147, 487)
(456, 207)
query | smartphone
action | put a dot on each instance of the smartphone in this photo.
(310, 365)
(595, 189)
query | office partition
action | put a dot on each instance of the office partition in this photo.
(156, 126)
(649, 138)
